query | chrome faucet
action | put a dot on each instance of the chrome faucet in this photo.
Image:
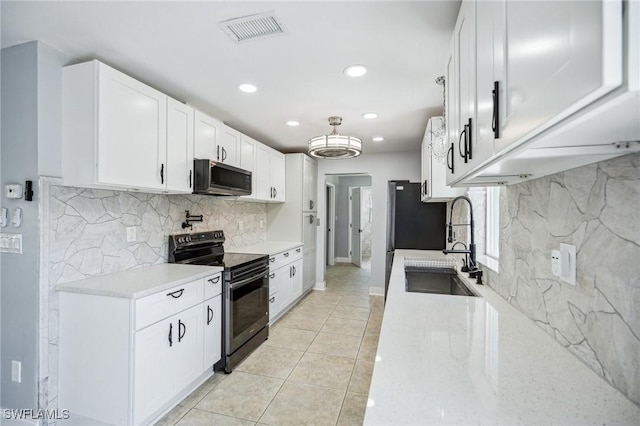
(472, 264)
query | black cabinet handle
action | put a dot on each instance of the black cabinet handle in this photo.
(298, 250)
(275, 192)
(170, 334)
(272, 276)
(286, 254)
(463, 154)
(176, 294)
(273, 299)
(190, 175)
(469, 140)
(294, 271)
(290, 271)
(214, 280)
(162, 173)
(311, 204)
(272, 259)
(450, 151)
(182, 330)
(311, 218)
(218, 153)
(495, 123)
(224, 154)
(209, 314)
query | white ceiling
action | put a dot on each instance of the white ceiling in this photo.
(178, 48)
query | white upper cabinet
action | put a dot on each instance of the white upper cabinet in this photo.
(248, 153)
(179, 168)
(114, 130)
(434, 187)
(229, 147)
(270, 174)
(208, 131)
(310, 184)
(556, 87)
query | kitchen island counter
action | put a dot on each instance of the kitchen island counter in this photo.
(445, 359)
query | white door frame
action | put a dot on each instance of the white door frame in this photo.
(351, 188)
(330, 237)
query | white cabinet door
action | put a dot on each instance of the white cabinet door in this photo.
(179, 171)
(248, 154)
(212, 331)
(452, 112)
(188, 349)
(297, 276)
(132, 132)
(490, 81)
(560, 56)
(264, 189)
(207, 132)
(425, 162)
(276, 276)
(309, 231)
(465, 77)
(153, 369)
(229, 146)
(309, 270)
(277, 175)
(284, 286)
(309, 187)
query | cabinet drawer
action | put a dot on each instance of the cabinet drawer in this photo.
(289, 256)
(212, 285)
(166, 303)
(274, 262)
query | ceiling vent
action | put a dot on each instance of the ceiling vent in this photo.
(253, 27)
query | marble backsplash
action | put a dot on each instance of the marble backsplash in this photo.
(87, 238)
(597, 209)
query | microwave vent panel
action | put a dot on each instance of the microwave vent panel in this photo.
(253, 27)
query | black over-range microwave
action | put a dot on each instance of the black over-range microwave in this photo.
(214, 178)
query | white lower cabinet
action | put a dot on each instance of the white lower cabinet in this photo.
(128, 360)
(168, 357)
(212, 331)
(285, 281)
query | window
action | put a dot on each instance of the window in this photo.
(492, 248)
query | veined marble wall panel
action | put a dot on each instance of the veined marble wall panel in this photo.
(597, 209)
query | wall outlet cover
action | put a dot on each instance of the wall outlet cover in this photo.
(569, 275)
(13, 191)
(131, 234)
(16, 371)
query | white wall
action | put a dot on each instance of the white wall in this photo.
(382, 167)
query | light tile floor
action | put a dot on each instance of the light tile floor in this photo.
(315, 368)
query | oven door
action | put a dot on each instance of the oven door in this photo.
(247, 309)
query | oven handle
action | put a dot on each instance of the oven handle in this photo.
(233, 286)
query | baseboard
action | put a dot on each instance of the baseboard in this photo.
(320, 285)
(343, 260)
(376, 291)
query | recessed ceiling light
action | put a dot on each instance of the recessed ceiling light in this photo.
(293, 123)
(247, 88)
(378, 139)
(369, 115)
(355, 71)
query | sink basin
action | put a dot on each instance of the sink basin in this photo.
(436, 281)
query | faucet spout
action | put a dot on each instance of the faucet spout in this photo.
(471, 250)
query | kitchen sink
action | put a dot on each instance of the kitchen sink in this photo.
(436, 281)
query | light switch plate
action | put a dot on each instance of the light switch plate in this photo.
(570, 275)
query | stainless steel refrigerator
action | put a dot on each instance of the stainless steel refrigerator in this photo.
(412, 224)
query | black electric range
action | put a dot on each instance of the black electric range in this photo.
(245, 306)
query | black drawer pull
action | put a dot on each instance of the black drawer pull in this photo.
(298, 250)
(170, 334)
(182, 330)
(176, 294)
(286, 254)
(209, 314)
(272, 259)
(214, 280)
(273, 299)
(272, 276)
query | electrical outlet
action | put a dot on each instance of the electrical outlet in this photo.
(563, 263)
(16, 371)
(131, 234)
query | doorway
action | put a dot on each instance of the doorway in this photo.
(330, 245)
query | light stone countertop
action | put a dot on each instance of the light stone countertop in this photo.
(445, 359)
(140, 282)
(270, 247)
